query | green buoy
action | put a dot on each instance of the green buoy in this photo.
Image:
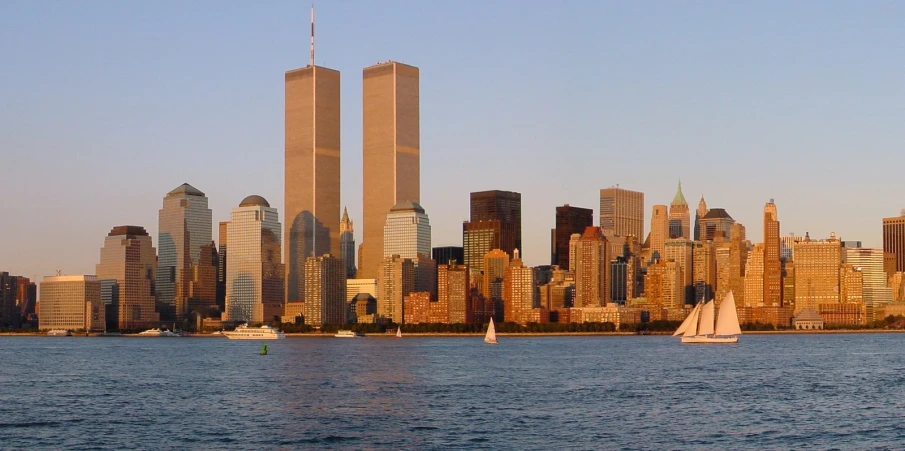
(263, 349)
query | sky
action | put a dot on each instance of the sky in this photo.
(105, 106)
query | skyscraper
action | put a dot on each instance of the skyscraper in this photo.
(479, 238)
(869, 262)
(392, 151)
(495, 264)
(680, 251)
(221, 265)
(445, 254)
(407, 231)
(569, 220)
(817, 272)
(772, 288)
(894, 239)
(698, 214)
(738, 258)
(704, 270)
(659, 230)
(184, 228)
(592, 268)
(679, 216)
(128, 264)
(755, 278)
(622, 212)
(395, 280)
(453, 294)
(312, 165)
(716, 220)
(502, 206)
(71, 302)
(518, 290)
(347, 244)
(325, 291)
(254, 271)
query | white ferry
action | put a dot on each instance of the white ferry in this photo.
(347, 334)
(244, 332)
(155, 332)
(59, 333)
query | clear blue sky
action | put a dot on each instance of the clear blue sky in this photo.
(107, 105)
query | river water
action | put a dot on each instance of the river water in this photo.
(631, 392)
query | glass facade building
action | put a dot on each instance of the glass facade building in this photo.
(127, 273)
(407, 232)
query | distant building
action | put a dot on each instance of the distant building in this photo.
(622, 212)
(325, 291)
(659, 231)
(479, 238)
(347, 244)
(876, 291)
(518, 290)
(716, 220)
(128, 264)
(592, 265)
(221, 266)
(817, 272)
(680, 250)
(569, 220)
(502, 206)
(772, 289)
(704, 271)
(894, 239)
(679, 219)
(10, 315)
(453, 295)
(71, 303)
(446, 254)
(395, 280)
(698, 215)
(254, 277)
(754, 278)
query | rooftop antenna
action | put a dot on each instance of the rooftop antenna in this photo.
(311, 63)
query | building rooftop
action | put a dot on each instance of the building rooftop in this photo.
(254, 201)
(85, 278)
(808, 314)
(128, 230)
(186, 190)
(408, 205)
(717, 213)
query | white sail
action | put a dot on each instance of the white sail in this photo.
(692, 329)
(706, 327)
(727, 318)
(687, 321)
(399, 332)
(491, 333)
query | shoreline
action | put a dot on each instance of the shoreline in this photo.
(502, 334)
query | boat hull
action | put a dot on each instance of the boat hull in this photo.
(491, 342)
(709, 340)
(254, 337)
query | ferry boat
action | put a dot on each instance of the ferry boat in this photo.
(347, 334)
(155, 332)
(59, 333)
(244, 332)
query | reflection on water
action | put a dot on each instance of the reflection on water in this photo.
(769, 392)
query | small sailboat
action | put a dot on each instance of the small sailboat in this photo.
(490, 338)
(399, 332)
(699, 326)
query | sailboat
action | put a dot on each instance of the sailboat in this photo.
(699, 327)
(490, 338)
(399, 332)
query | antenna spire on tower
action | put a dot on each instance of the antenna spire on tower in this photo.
(311, 62)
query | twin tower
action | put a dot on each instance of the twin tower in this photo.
(391, 159)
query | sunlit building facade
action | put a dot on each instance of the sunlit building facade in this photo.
(127, 267)
(71, 303)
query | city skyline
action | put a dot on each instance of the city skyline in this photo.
(807, 204)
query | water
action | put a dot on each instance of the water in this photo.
(769, 392)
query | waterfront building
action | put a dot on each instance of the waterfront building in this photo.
(876, 291)
(391, 145)
(184, 230)
(659, 231)
(894, 238)
(10, 315)
(772, 289)
(395, 280)
(502, 206)
(71, 303)
(703, 270)
(255, 290)
(807, 319)
(221, 265)
(417, 307)
(722, 253)
(622, 212)
(347, 244)
(479, 238)
(447, 254)
(592, 266)
(325, 291)
(128, 264)
(363, 309)
(569, 220)
(679, 218)
(716, 220)
(817, 272)
(663, 286)
(738, 257)
(698, 215)
(754, 278)
(559, 292)
(518, 290)
(453, 295)
(407, 232)
(495, 264)
(680, 250)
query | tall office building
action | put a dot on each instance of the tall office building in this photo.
(518, 290)
(395, 280)
(9, 314)
(347, 244)
(255, 290)
(622, 212)
(659, 230)
(894, 239)
(869, 262)
(392, 152)
(787, 243)
(738, 258)
(680, 251)
(495, 264)
(698, 214)
(184, 228)
(444, 255)
(772, 288)
(755, 277)
(569, 220)
(128, 265)
(221, 265)
(312, 168)
(716, 220)
(704, 271)
(592, 268)
(407, 232)
(679, 219)
(479, 238)
(817, 272)
(325, 291)
(453, 294)
(72, 303)
(502, 206)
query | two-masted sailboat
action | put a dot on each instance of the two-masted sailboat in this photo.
(699, 326)
(490, 337)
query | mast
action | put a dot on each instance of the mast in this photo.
(311, 61)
